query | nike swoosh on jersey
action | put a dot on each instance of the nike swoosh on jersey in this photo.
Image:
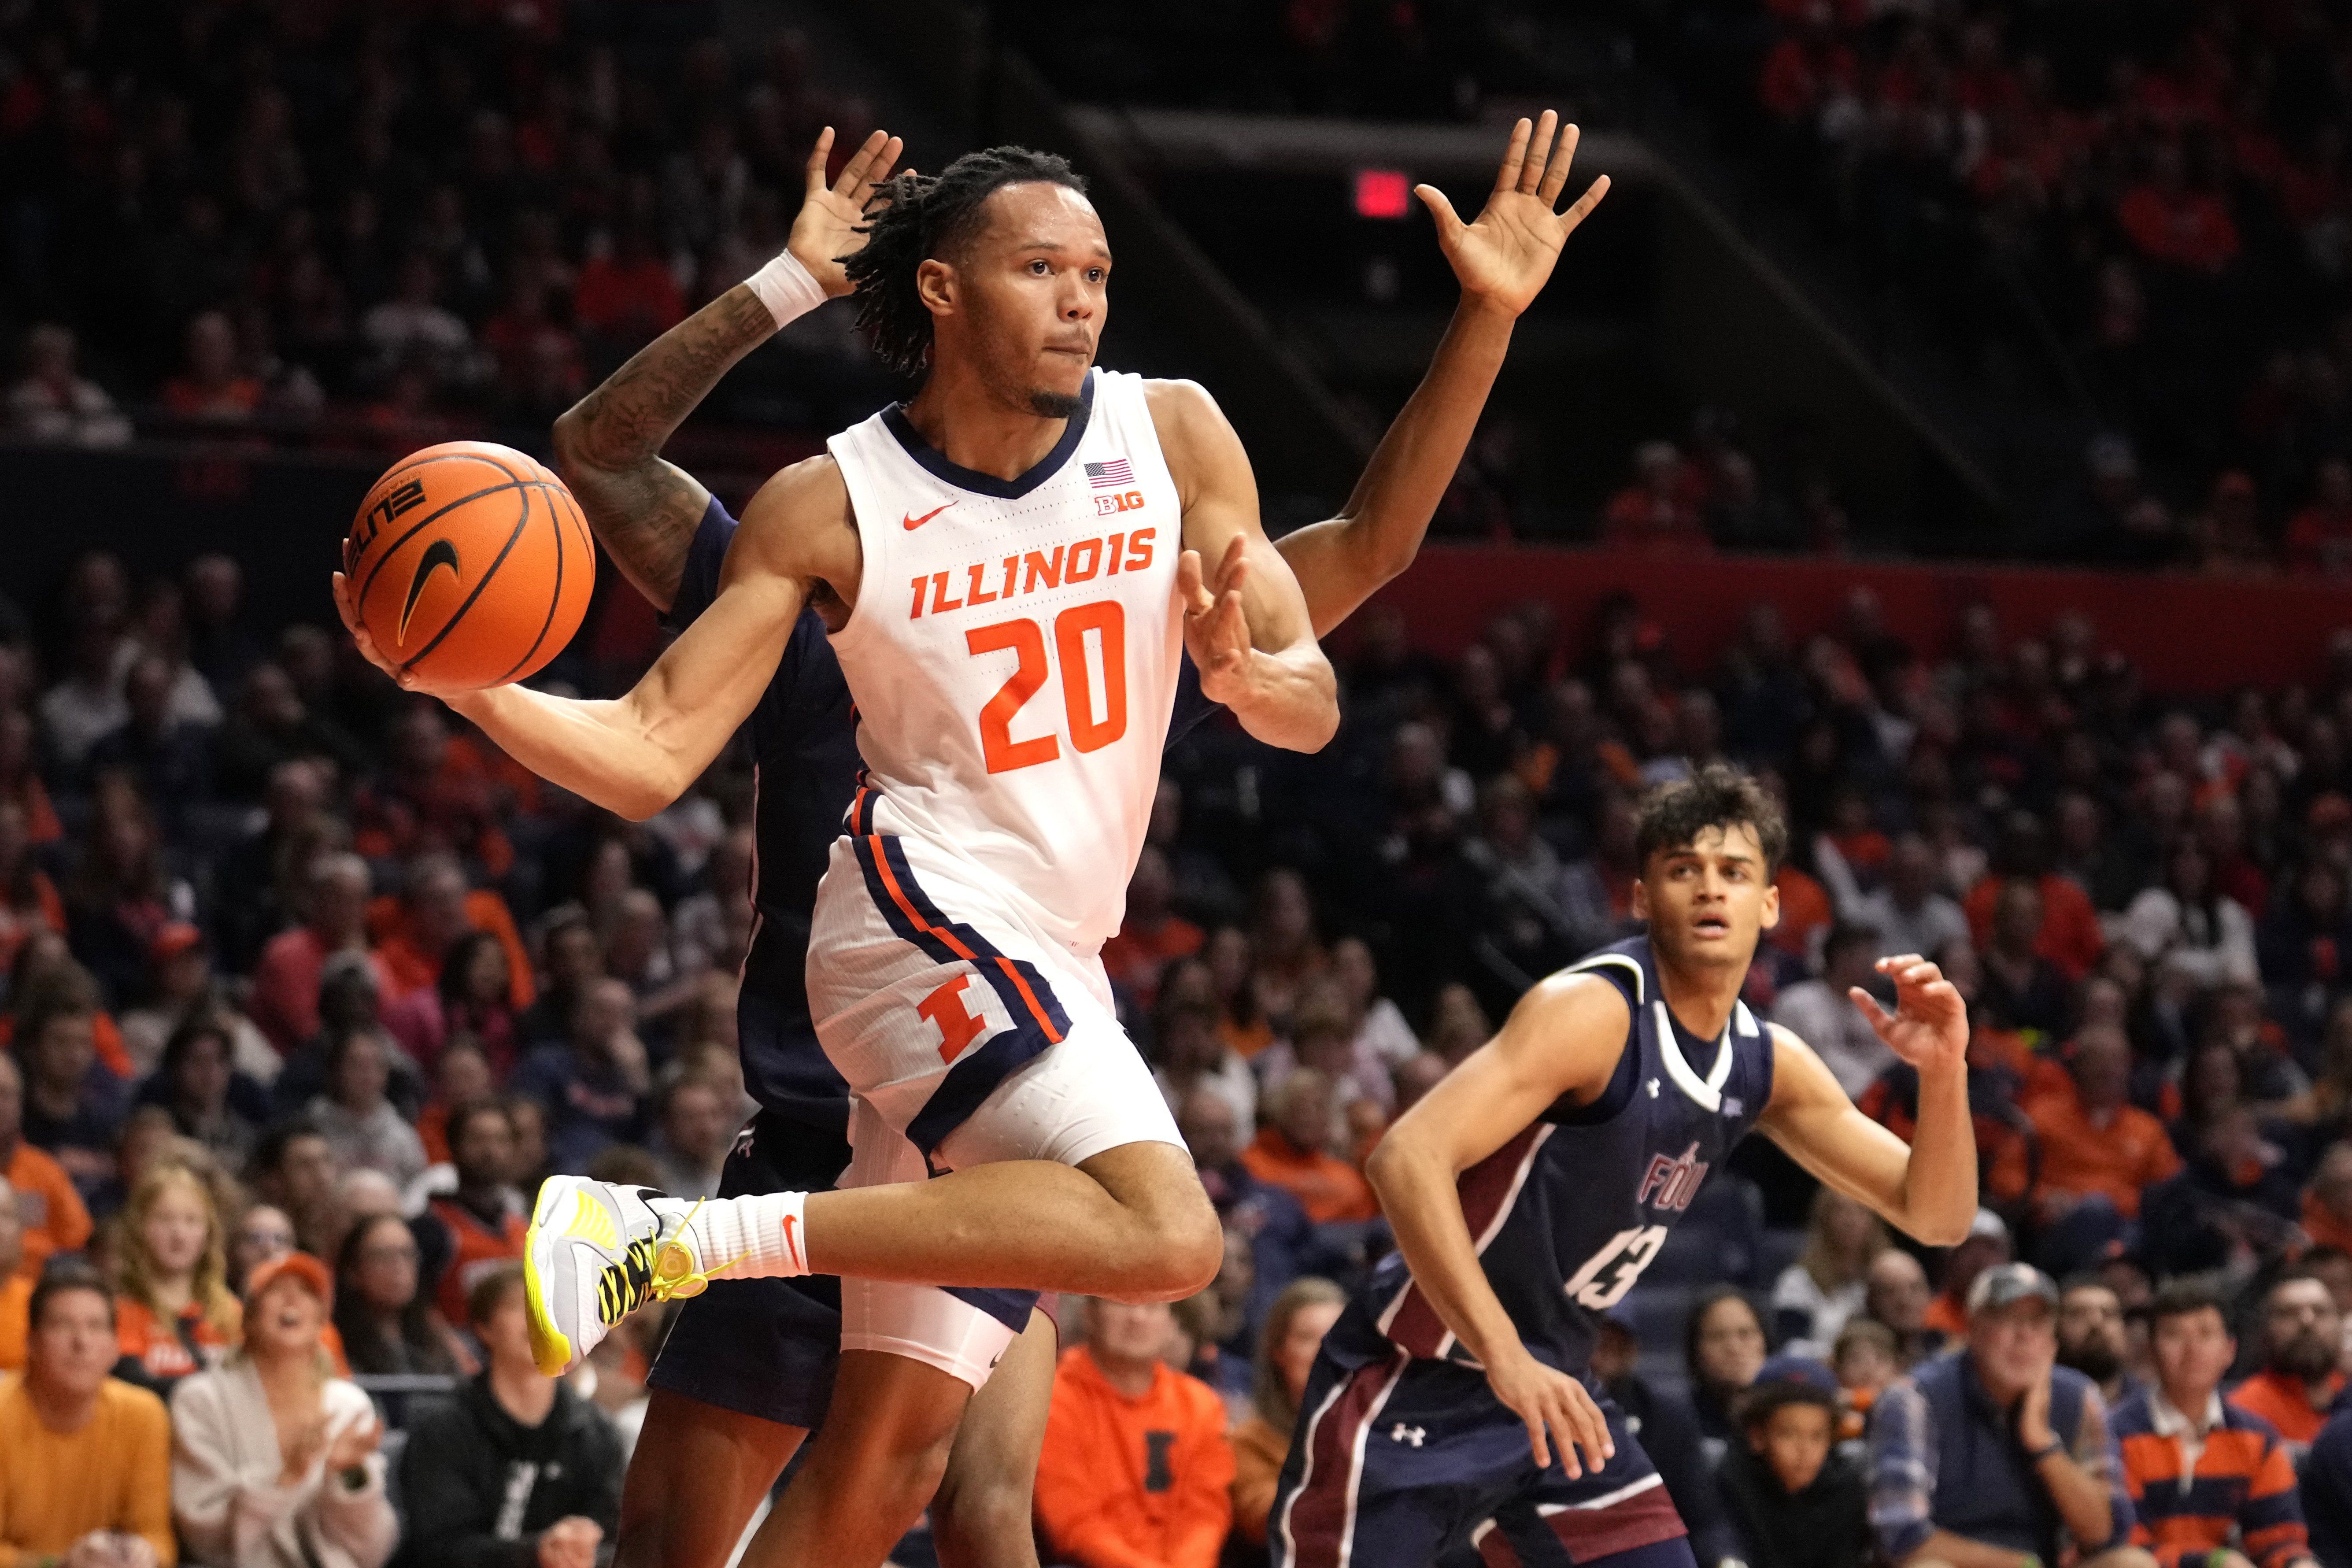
(440, 553)
(911, 522)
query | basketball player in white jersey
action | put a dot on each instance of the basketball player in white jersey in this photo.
(1006, 565)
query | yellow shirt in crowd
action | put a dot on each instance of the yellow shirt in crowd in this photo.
(56, 1486)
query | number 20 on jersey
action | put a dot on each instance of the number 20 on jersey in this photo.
(1104, 622)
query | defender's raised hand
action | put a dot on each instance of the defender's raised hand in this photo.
(827, 228)
(1929, 1025)
(1506, 255)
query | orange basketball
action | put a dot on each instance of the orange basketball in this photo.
(470, 564)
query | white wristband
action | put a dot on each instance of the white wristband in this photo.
(785, 286)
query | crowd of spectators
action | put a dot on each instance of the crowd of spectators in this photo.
(379, 226)
(2155, 196)
(301, 969)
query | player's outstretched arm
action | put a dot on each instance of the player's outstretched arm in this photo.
(1563, 1037)
(1502, 260)
(636, 754)
(1246, 623)
(608, 445)
(1929, 1189)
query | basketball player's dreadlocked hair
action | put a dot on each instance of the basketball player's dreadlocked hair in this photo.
(915, 218)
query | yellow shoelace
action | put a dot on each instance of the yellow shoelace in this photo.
(672, 1255)
(658, 1270)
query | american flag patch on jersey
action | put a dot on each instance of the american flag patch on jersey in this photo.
(1114, 475)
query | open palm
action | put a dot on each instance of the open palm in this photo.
(1506, 256)
(827, 228)
(1929, 1025)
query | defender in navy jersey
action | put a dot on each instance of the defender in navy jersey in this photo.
(1451, 1415)
(749, 1367)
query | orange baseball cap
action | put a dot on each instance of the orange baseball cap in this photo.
(301, 1266)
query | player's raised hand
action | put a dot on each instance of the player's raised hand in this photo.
(1929, 1025)
(407, 680)
(1216, 632)
(1556, 1408)
(1506, 256)
(827, 228)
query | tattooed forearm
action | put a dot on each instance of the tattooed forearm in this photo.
(608, 447)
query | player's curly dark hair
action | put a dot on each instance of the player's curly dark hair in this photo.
(915, 218)
(1718, 796)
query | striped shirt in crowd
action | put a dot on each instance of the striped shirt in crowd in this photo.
(2233, 1486)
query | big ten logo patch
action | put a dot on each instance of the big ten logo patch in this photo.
(1107, 503)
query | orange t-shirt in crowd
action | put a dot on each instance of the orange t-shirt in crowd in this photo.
(1947, 1315)
(114, 1473)
(2320, 1223)
(1134, 1483)
(2081, 1157)
(432, 1132)
(1246, 1042)
(54, 1218)
(1327, 1187)
(2070, 938)
(1135, 957)
(1805, 908)
(475, 1250)
(16, 1320)
(409, 967)
(161, 1348)
(2282, 1402)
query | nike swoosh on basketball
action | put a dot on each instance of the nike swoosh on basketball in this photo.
(911, 523)
(440, 553)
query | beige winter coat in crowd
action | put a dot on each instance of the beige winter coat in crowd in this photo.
(225, 1499)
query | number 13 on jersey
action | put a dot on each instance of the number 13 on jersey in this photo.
(1082, 634)
(1608, 1273)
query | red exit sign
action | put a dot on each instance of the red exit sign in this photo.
(1382, 192)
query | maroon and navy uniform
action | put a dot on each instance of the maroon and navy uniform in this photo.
(1403, 1455)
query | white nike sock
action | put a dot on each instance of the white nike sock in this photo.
(763, 1236)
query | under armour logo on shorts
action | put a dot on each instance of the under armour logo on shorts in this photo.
(1404, 1434)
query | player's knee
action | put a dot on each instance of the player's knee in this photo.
(983, 1522)
(1170, 1245)
(901, 1454)
(1187, 1249)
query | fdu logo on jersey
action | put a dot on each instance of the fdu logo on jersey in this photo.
(1671, 1184)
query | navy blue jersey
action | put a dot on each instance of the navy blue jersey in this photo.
(805, 765)
(1568, 1213)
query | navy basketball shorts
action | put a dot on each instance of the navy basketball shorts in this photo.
(771, 1348)
(1402, 1463)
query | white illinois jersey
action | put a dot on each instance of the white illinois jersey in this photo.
(1014, 652)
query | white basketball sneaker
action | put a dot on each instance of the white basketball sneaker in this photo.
(594, 1253)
